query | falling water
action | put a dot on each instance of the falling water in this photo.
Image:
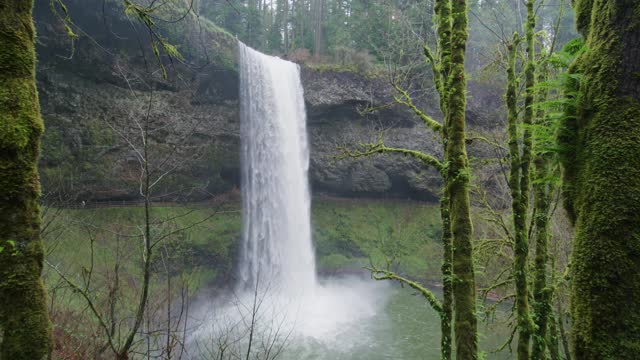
(277, 251)
(277, 283)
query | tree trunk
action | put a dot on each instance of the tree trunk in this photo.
(302, 13)
(266, 25)
(24, 322)
(522, 205)
(519, 207)
(602, 168)
(458, 179)
(318, 25)
(447, 279)
(542, 193)
(552, 338)
(541, 294)
(563, 333)
(285, 26)
(442, 9)
(293, 42)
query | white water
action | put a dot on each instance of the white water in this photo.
(277, 252)
(277, 273)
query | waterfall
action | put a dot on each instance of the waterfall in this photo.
(277, 285)
(277, 250)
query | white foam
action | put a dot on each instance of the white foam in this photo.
(338, 305)
(278, 296)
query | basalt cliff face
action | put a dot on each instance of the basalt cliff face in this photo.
(100, 95)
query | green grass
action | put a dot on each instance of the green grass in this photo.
(350, 233)
(196, 239)
(374, 70)
(347, 234)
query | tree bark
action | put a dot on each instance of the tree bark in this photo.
(285, 26)
(458, 181)
(521, 208)
(602, 182)
(542, 192)
(447, 278)
(26, 331)
(318, 27)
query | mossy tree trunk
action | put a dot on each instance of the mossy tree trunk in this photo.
(521, 207)
(26, 331)
(442, 10)
(542, 193)
(458, 182)
(542, 294)
(447, 279)
(602, 179)
(459, 297)
(552, 338)
(520, 153)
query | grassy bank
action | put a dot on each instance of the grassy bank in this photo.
(100, 249)
(348, 234)
(203, 239)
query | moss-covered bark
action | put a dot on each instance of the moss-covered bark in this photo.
(552, 338)
(521, 208)
(583, 14)
(447, 279)
(459, 296)
(541, 292)
(542, 192)
(458, 180)
(441, 74)
(23, 313)
(604, 179)
(520, 153)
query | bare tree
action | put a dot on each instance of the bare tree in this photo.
(152, 233)
(254, 327)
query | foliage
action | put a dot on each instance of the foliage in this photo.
(357, 27)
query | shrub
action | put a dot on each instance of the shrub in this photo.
(300, 55)
(360, 60)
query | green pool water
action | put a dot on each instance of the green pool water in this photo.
(403, 328)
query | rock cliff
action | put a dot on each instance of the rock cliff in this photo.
(96, 94)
